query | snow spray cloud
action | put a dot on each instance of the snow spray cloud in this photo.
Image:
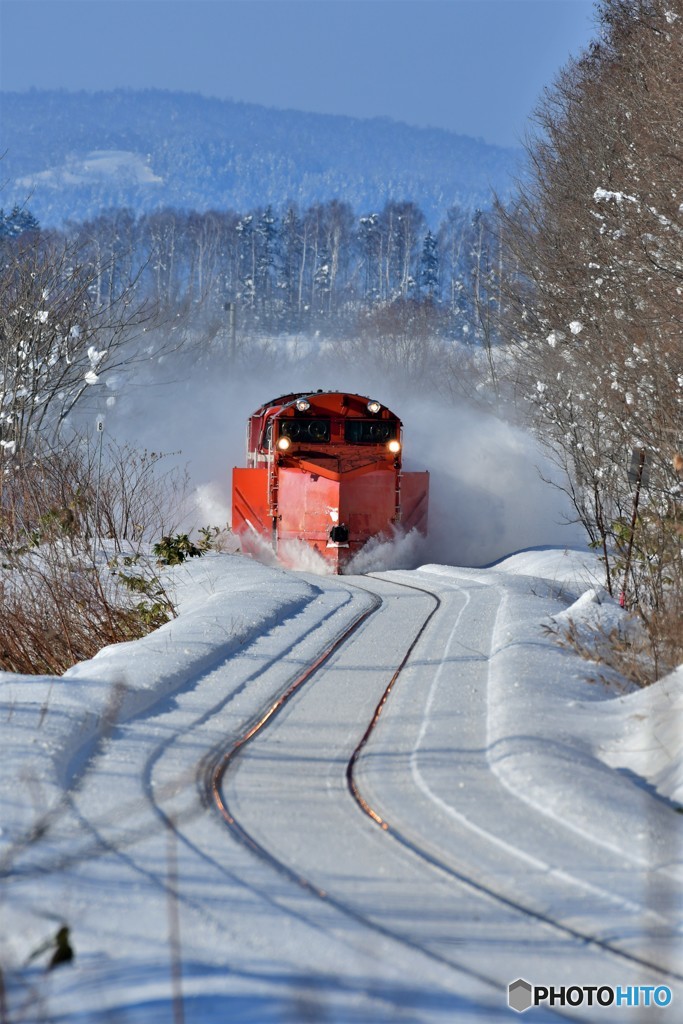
(487, 495)
(400, 551)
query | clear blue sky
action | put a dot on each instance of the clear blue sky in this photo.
(472, 66)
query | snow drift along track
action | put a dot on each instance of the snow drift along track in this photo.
(449, 870)
(503, 861)
(591, 945)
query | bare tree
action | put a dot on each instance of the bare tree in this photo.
(591, 280)
(56, 338)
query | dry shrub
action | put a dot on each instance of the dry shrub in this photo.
(665, 628)
(60, 600)
(624, 652)
(57, 613)
(641, 651)
(81, 492)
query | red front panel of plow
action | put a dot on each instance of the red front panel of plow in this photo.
(311, 505)
(250, 505)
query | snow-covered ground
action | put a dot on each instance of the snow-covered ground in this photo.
(524, 811)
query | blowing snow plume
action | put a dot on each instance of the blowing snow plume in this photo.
(488, 491)
(487, 495)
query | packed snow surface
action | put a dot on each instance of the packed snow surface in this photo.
(524, 805)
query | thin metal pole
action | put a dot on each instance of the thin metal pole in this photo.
(100, 431)
(230, 309)
(634, 520)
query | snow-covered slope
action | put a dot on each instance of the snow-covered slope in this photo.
(520, 820)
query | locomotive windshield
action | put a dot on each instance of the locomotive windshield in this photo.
(369, 431)
(309, 431)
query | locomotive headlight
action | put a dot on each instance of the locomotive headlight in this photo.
(302, 404)
(283, 443)
(394, 446)
(373, 407)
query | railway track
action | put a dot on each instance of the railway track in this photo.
(550, 929)
(371, 655)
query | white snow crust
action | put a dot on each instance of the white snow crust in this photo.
(502, 762)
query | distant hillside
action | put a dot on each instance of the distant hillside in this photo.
(76, 154)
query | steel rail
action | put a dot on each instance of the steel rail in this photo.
(215, 771)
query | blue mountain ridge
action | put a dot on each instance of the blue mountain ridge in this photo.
(72, 155)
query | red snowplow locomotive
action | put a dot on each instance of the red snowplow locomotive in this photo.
(325, 469)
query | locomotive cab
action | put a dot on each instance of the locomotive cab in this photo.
(325, 469)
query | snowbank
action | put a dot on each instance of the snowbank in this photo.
(648, 736)
(223, 602)
(559, 724)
